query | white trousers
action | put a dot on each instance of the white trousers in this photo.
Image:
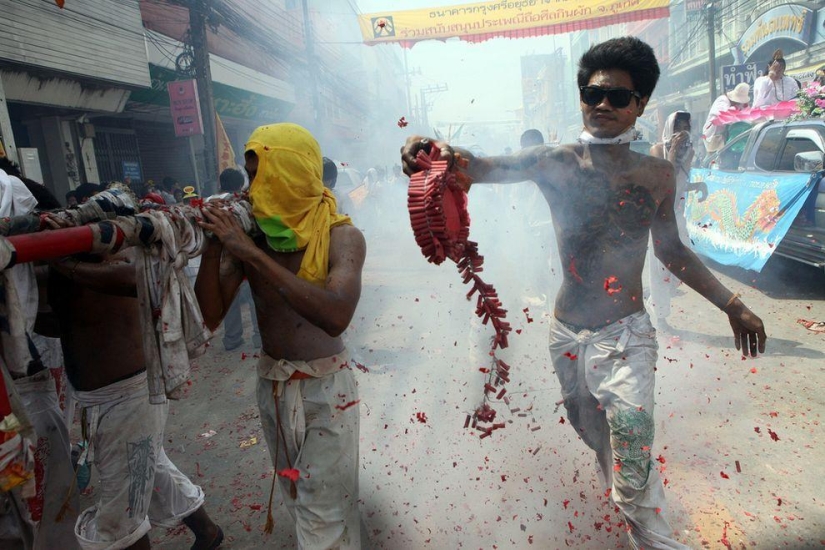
(139, 487)
(53, 467)
(320, 440)
(607, 382)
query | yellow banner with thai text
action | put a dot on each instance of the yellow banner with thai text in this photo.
(515, 19)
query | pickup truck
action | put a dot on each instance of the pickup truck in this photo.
(769, 155)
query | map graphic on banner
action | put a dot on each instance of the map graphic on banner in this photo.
(517, 19)
(745, 215)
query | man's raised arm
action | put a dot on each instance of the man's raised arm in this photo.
(527, 164)
(219, 278)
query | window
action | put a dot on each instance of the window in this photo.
(730, 156)
(799, 140)
(767, 149)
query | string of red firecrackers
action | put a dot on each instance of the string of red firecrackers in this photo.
(437, 204)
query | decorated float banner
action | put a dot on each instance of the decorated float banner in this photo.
(744, 216)
(515, 19)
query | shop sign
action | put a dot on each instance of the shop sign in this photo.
(737, 74)
(131, 170)
(185, 107)
(789, 22)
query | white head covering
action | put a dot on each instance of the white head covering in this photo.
(668, 132)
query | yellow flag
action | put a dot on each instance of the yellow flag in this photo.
(226, 156)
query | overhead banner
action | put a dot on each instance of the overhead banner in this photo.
(744, 216)
(519, 19)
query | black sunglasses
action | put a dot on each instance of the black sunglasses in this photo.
(618, 97)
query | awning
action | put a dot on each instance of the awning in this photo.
(230, 102)
(62, 91)
(239, 92)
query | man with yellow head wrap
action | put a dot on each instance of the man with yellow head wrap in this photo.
(304, 270)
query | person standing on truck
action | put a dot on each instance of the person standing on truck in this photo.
(714, 136)
(774, 87)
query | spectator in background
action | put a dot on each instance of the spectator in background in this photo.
(714, 136)
(677, 148)
(820, 76)
(531, 137)
(330, 176)
(45, 200)
(167, 186)
(330, 179)
(774, 87)
(71, 199)
(398, 176)
(231, 181)
(85, 191)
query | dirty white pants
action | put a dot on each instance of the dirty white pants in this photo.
(139, 487)
(607, 382)
(53, 467)
(321, 435)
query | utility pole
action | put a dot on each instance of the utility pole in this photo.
(711, 13)
(198, 10)
(423, 102)
(407, 82)
(5, 127)
(312, 67)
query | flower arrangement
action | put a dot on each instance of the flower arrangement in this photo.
(811, 101)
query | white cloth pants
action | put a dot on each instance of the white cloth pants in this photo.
(139, 487)
(607, 382)
(320, 440)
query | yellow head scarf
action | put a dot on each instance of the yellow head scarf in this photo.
(289, 201)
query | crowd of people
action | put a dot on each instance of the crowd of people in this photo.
(300, 271)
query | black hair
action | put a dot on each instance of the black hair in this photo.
(9, 167)
(167, 183)
(231, 180)
(86, 190)
(330, 176)
(627, 53)
(45, 199)
(531, 137)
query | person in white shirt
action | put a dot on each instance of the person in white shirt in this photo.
(774, 87)
(714, 136)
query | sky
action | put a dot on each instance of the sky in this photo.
(483, 80)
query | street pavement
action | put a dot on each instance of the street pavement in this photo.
(738, 441)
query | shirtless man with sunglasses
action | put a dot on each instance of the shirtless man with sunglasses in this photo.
(606, 200)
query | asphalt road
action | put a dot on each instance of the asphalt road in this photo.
(738, 440)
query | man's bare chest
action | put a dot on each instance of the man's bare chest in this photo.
(593, 200)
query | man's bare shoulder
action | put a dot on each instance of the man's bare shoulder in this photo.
(346, 238)
(654, 164)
